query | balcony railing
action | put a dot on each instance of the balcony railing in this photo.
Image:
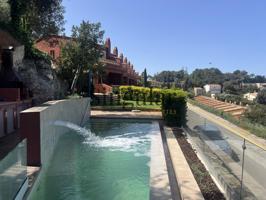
(13, 171)
(238, 164)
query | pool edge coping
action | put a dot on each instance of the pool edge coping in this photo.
(188, 187)
(159, 178)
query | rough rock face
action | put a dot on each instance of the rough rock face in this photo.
(41, 80)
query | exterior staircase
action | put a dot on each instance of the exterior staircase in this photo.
(234, 110)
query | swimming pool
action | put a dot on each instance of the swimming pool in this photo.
(111, 164)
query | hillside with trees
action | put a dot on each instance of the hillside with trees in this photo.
(199, 77)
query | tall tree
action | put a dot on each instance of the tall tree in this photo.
(37, 17)
(82, 53)
(145, 78)
(31, 19)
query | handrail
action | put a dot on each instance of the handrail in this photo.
(243, 134)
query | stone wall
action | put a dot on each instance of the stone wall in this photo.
(18, 55)
(41, 80)
(42, 136)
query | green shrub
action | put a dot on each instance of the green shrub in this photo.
(174, 106)
(115, 89)
(257, 114)
(173, 101)
(126, 92)
(137, 93)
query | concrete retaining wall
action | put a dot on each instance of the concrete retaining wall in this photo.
(37, 126)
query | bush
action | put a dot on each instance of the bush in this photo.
(115, 89)
(140, 93)
(174, 106)
(257, 114)
(261, 98)
(173, 101)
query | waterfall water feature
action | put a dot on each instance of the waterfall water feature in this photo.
(80, 130)
(134, 141)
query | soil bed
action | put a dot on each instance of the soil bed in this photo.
(207, 186)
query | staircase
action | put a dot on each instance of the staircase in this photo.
(234, 110)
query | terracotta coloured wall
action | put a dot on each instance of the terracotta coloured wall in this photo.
(102, 88)
(10, 94)
(45, 47)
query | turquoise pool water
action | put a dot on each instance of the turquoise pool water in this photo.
(113, 165)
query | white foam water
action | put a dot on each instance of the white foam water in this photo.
(135, 142)
(78, 129)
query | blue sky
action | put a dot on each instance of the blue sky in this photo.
(172, 34)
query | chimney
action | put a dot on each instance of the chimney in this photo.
(121, 56)
(108, 45)
(115, 51)
(125, 60)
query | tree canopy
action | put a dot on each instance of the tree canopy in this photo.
(28, 20)
(200, 77)
(82, 53)
(37, 17)
(261, 98)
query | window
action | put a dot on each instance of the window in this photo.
(52, 54)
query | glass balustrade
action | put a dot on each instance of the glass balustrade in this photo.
(13, 171)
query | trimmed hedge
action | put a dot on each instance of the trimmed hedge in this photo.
(174, 107)
(136, 93)
(173, 101)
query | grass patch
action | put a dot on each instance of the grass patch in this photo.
(243, 122)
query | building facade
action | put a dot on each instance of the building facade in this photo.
(250, 96)
(117, 69)
(213, 88)
(52, 45)
(198, 91)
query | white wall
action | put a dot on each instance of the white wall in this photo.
(66, 110)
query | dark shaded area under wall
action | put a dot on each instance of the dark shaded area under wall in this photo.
(8, 143)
